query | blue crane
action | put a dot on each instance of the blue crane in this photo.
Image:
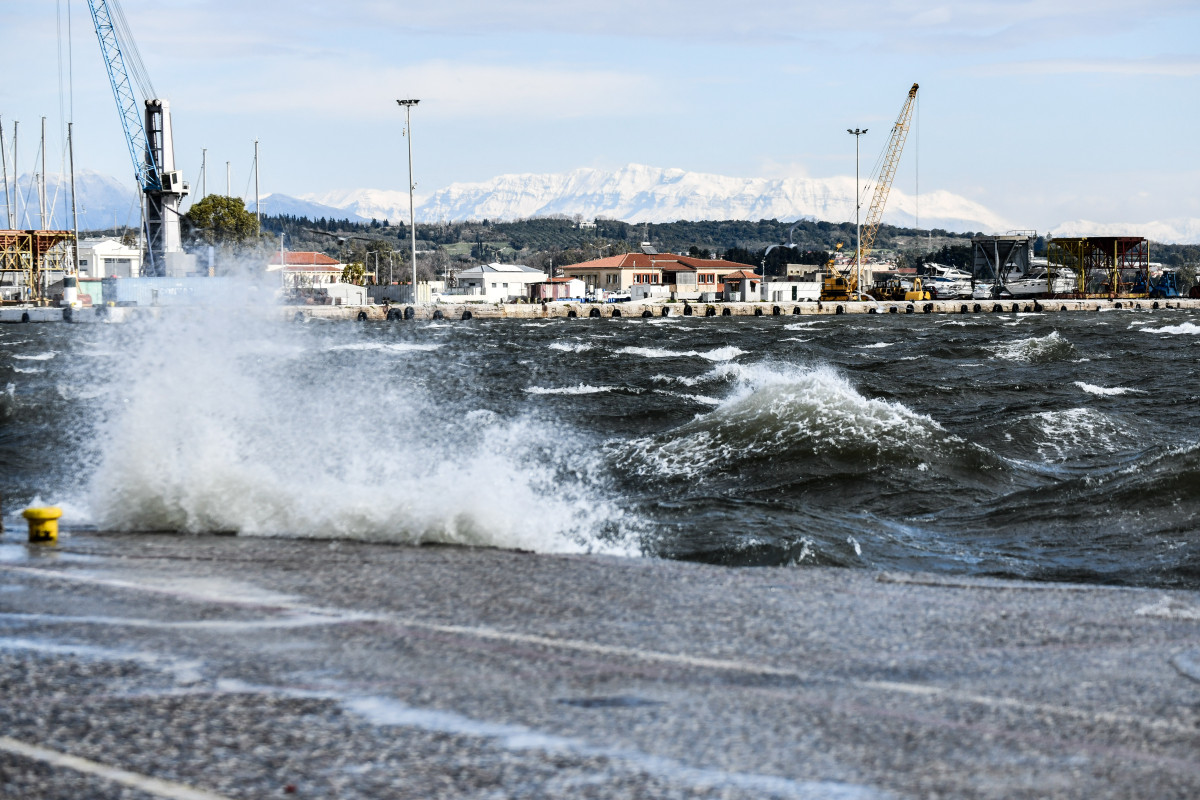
(148, 135)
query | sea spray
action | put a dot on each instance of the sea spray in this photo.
(228, 422)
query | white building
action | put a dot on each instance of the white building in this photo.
(302, 270)
(498, 283)
(108, 258)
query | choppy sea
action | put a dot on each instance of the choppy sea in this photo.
(1062, 446)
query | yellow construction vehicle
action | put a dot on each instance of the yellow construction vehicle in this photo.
(917, 293)
(837, 286)
(896, 290)
(843, 286)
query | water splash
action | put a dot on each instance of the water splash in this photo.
(209, 430)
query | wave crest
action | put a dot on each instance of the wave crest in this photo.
(1036, 349)
(812, 416)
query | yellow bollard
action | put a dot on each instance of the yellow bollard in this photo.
(43, 523)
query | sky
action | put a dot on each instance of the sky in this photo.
(1042, 110)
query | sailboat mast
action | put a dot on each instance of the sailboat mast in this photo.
(257, 207)
(16, 178)
(74, 208)
(8, 210)
(42, 181)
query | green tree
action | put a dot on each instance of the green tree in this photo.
(354, 272)
(221, 222)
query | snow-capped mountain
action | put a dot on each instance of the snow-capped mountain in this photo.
(638, 193)
(367, 204)
(633, 193)
(101, 200)
(284, 204)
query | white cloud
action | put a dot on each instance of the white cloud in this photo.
(457, 89)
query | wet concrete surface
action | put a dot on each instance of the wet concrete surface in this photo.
(253, 668)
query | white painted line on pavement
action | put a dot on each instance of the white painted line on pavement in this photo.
(637, 654)
(143, 783)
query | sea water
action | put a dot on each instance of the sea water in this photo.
(1051, 446)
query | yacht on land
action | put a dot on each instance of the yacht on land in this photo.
(1034, 283)
(950, 282)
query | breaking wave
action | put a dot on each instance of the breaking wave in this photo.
(1036, 349)
(810, 416)
(204, 434)
(580, 389)
(1106, 391)
(1182, 328)
(719, 354)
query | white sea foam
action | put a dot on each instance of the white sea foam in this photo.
(875, 346)
(696, 398)
(203, 435)
(799, 326)
(1106, 391)
(1182, 328)
(38, 357)
(580, 389)
(28, 370)
(571, 347)
(719, 354)
(1035, 348)
(776, 407)
(1074, 432)
(684, 380)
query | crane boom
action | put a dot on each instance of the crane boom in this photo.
(151, 146)
(887, 171)
(127, 106)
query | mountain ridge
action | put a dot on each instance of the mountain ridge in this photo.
(634, 193)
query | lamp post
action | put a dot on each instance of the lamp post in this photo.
(412, 221)
(856, 133)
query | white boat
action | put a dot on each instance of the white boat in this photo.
(950, 282)
(1034, 283)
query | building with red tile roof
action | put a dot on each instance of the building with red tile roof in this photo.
(621, 273)
(306, 268)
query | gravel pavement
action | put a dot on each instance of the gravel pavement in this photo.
(175, 666)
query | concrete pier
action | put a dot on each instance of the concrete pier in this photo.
(459, 311)
(233, 667)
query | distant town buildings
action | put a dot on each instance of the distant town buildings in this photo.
(683, 275)
(498, 283)
(109, 258)
(305, 269)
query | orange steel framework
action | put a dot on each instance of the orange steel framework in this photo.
(1101, 266)
(26, 259)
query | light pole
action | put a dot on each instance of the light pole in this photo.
(856, 133)
(412, 221)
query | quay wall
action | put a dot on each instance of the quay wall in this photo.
(460, 311)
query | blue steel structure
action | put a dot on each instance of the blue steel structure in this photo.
(148, 134)
(144, 165)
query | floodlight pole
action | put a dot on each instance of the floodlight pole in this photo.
(412, 220)
(856, 133)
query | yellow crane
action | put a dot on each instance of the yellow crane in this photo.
(841, 285)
